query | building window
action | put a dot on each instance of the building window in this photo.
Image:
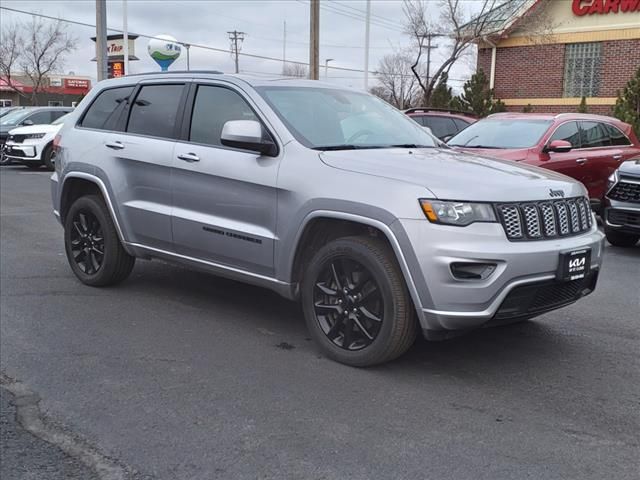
(582, 69)
(6, 103)
(55, 103)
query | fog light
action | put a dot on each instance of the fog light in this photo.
(472, 270)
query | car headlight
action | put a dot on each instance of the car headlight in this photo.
(34, 135)
(612, 180)
(457, 213)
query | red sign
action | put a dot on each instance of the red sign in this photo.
(76, 83)
(602, 7)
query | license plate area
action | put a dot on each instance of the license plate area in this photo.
(574, 265)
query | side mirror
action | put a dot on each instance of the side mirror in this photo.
(247, 135)
(27, 122)
(446, 138)
(558, 146)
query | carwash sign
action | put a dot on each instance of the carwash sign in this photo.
(603, 7)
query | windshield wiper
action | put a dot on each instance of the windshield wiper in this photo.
(476, 146)
(409, 145)
(346, 146)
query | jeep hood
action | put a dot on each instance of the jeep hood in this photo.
(453, 175)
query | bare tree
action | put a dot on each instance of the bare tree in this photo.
(38, 48)
(398, 85)
(295, 70)
(458, 29)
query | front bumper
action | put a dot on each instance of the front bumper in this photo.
(20, 152)
(451, 303)
(622, 216)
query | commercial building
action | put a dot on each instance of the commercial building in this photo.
(551, 53)
(57, 90)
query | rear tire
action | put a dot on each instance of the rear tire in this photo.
(621, 239)
(359, 276)
(91, 241)
(47, 157)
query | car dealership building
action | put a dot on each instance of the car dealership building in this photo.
(551, 53)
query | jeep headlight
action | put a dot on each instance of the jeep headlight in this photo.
(457, 213)
(32, 136)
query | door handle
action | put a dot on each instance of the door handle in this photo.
(617, 157)
(581, 161)
(189, 157)
(115, 145)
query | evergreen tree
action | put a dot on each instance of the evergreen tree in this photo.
(582, 108)
(441, 96)
(627, 106)
(478, 98)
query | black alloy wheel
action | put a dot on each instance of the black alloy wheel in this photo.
(87, 242)
(348, 304)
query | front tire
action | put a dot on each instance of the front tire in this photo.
(93, 248)
(621, 239)
(48, 157)
(356, 304)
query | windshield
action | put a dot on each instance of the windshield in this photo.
(333, 119)
(60, 120)
(13, 118)
(501, 133)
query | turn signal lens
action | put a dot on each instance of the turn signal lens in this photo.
(457, 213)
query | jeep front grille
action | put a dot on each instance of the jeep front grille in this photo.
(545, 219)
(626, 190)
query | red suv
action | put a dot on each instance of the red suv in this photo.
(586, 147)
(444, 124)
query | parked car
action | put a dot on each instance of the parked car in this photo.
(26, 117)
(622, 213)
(5, 110)
(33, 145)
(444, 124)
(585, 147)
(326, 195)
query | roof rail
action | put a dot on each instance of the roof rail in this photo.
(430, 109)
(215, 72)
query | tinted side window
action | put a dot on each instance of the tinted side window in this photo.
(616, 136)
(440, 126)
(594, 134)
(56, 114)
(418, 120)
(460, 124)
(213, 107)
(40, 118)
(568, 132)
(105, 109)
(155, 110)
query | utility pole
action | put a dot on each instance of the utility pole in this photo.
(429, 47)
(314, 41)
(235, 37)
(101, 39)
(366, 47)
(284, 46)
(125, 37)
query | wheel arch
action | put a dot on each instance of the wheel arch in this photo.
(322, 226)
(77, 184)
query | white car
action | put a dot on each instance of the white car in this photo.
(33, 145)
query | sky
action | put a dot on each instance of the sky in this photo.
(206, 22)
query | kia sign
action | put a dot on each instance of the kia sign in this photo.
(602, 7)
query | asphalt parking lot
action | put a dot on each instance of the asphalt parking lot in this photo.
(176, 374)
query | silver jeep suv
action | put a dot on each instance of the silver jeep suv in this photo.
(323, 194)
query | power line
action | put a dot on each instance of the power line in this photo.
(363, 12)
(353, 16)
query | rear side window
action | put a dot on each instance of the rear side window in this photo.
(616, 136)
(106, 108)
(440, 126)
(155, 110)
(461, 124)
(213, 107)
(569, 132)
(40, 118)
(594, 134)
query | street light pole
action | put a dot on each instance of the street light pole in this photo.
(101, 39)
(366, 46)
(187, 46)
(125, 37)
(326, 67)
